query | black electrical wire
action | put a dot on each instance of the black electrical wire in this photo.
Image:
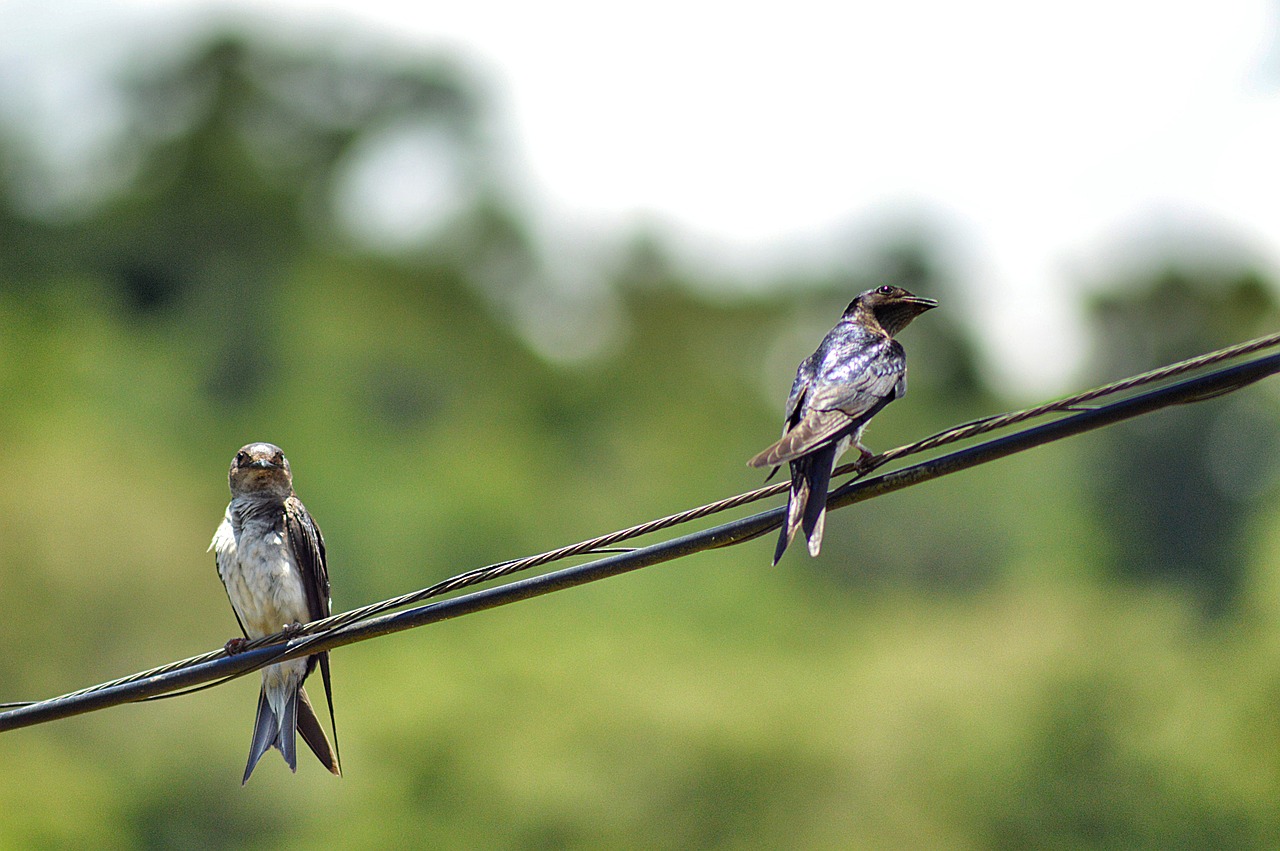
(373, 621)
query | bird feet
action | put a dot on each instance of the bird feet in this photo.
(865, 457)
(236, 645)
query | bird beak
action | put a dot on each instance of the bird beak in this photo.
(262, 464)
(922, 303)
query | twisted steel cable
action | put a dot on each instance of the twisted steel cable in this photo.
(373, 620)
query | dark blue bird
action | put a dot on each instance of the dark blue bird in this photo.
(858, 369)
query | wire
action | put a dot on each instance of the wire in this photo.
(375, 620)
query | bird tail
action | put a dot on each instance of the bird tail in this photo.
(807, 505)
(313, 735)
(274, 730)
(796, 502)
(815, 511)
(277, 727)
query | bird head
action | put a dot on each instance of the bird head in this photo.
(892, 307)
(260, 469)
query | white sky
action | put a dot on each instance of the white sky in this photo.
(1048, 135)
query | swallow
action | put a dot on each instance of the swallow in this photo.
(857, 369)
(271, 559)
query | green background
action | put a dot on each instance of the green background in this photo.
(1075, 647)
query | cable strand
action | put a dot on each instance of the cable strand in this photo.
(369, 620)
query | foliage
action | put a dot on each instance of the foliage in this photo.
(992, 660)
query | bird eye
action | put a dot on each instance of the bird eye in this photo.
(242, 457)
(885, 290)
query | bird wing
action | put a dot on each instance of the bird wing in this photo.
(308, 548)
(851, 385)
(856, 385)
(805, 373)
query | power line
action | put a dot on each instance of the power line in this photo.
(377, 619)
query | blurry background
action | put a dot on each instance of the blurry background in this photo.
(505, 277)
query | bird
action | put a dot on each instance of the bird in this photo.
(857, 369)
(270, 556)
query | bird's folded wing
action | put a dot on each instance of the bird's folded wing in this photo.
(840, 401)
(308, 548)
(811, 432)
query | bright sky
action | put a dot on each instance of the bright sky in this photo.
(1049, 137)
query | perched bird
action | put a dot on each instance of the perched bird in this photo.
(857, 370)
(270, 555)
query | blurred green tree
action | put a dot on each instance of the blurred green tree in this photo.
(1169, 493)
(233, 154)
(435, 425)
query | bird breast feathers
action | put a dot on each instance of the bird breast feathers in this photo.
(262, 579)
